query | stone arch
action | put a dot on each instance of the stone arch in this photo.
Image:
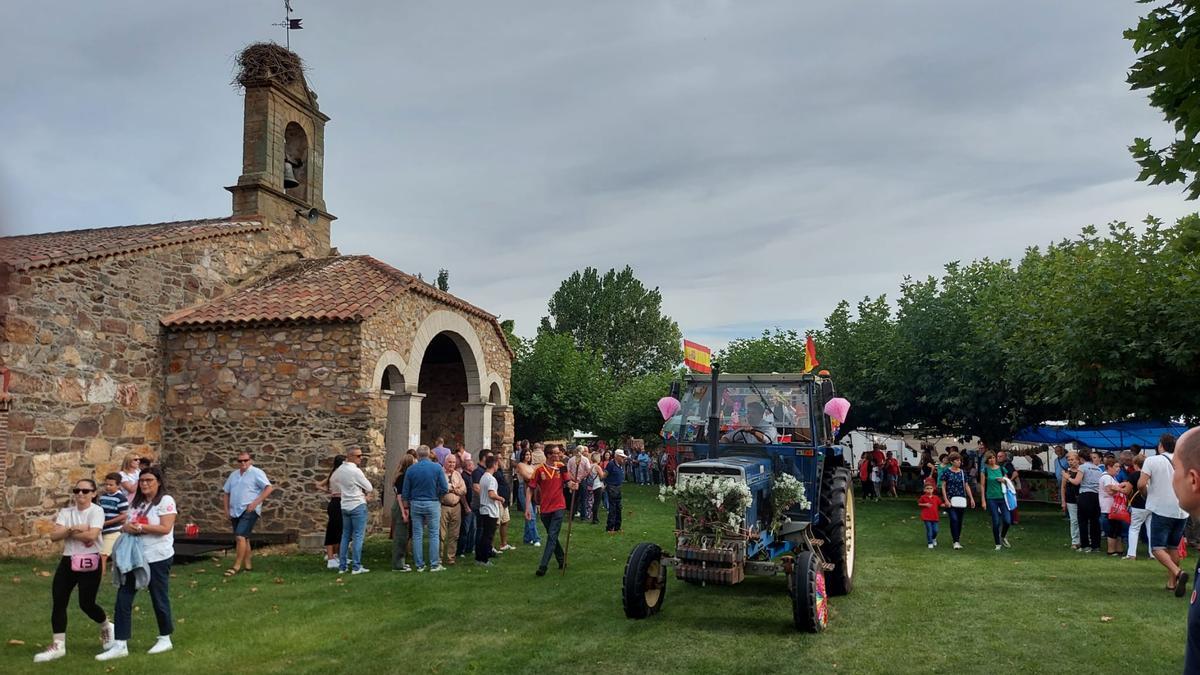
(495, 391)
(462, 333)
(390, 365)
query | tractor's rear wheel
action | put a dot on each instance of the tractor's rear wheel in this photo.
(645, 583)
(837, 529)
(810, 606)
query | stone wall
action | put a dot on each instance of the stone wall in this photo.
(82, 342)
(445, 389)
(288, 394)
(392, 330)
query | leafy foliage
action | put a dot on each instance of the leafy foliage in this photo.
(556, 388)
(1167, 41)
(616, 316)
(629, 410)
(775, 351)
(443, 280)
(1096, 328)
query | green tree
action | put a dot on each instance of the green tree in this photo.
(556, 388)
(775, 351)
(616, 316)
(857, 350)
(443, 280)
(1167, 40)
(631, 410)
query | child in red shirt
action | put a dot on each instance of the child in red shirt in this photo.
(930, 503)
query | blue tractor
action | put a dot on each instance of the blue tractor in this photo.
(753, 429)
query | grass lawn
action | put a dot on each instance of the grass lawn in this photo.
(1035, 608)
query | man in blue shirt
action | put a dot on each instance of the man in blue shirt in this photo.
(244, 492)
(424, 484)
(614, 476)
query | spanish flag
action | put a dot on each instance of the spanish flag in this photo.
(697, 357)
(810, 355)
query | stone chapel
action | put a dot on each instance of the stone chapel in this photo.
(191, 341)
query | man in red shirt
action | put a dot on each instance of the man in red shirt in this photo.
(548, 479)
(891, 474)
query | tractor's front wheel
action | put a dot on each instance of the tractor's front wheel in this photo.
(837, 529)
(645, 582)
(810, 605)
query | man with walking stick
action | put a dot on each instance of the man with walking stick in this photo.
(548, 480)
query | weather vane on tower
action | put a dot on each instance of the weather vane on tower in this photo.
(289, 24)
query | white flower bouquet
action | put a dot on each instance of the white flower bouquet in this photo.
(786, 491)
(709, 504)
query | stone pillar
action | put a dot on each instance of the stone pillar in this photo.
(477, 426)
(403, 432)
(502, 428)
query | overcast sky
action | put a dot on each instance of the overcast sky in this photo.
(757, 161)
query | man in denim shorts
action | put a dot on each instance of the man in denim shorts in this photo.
(1166, 518)
(244, 492)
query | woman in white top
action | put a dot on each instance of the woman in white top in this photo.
(78, 525)
(151, 517)
(131, 468)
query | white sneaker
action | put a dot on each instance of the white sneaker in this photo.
(56, 650)
(162, 644)
(957, 546)
(436, 568)
(117, 651)
(931, 547)
(361, 570)
(106, 634)
(537, 543)
(332, 564)
(1005, 542)
(508, 547)
(998, 547)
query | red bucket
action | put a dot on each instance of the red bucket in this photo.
(191, 529)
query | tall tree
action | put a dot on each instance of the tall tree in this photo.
(1166, 41)
(616, 316)
(443, 280)
(556, 388)
(775, 351)
(629, 410)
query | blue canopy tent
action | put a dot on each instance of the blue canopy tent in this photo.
(1114, 436)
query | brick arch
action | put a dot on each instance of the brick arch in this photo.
(463, 334)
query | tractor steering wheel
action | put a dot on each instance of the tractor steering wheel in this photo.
(741, 436)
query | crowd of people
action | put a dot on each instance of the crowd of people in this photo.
(445, 505)
(448, 505)
(1113, 503)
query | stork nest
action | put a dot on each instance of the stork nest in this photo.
(265, 62)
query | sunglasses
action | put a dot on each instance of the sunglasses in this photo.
(148, 481)
(242, 461)
(82, 491)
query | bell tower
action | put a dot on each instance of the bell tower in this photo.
(283, 148)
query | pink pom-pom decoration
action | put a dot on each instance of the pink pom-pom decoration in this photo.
(668, 406)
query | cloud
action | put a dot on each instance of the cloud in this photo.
(757, 162)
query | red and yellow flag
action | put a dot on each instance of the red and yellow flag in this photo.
(810, 355)
(697, 357)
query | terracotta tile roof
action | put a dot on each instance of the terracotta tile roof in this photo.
(60, 248)
(334, 289)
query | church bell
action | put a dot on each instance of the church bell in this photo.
(289, 176)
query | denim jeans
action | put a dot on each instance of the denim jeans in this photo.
(931, 531)
(956, 521)
(553, 523)
(1001, 518)
(467, 533)
(160, 579)
(531, 535)
(1073, 516)
(354, 525)
(426, 516)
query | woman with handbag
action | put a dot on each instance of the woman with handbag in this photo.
(956, 491)
(1112, 524)
(152, 519)
(1138, 513)
(78, 525)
